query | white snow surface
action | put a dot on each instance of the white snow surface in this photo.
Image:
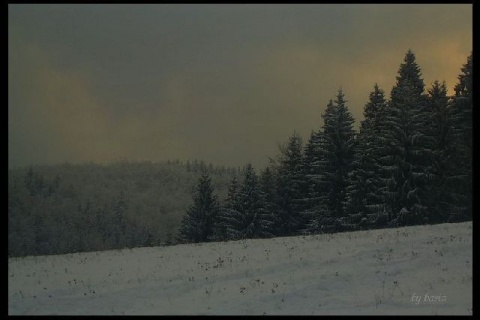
(413, 270)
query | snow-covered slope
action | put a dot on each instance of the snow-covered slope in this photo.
(413, 270)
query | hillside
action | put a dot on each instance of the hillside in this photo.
(411, 270)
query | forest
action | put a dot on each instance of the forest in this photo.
(410, 163)
(56, 209)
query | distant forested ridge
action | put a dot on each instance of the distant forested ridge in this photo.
(55, 209)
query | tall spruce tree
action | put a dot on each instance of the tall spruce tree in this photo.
(227, 223)
(407, 159)
(197, 224)
(363, 201)
(268, 187)
(441, 197)
(257, 221)
(290, 188)
(460, 112)
(337, 144)
(311, 166)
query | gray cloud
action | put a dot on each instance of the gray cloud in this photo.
(223, 83)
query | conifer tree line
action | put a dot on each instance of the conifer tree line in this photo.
(410, 163)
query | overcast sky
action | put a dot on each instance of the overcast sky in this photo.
(220, 83)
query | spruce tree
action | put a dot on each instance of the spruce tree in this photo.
(257, 221)
(363, 201)
(228, 221)
(197, 224)
(407, 159)
(290, 188)
(268, 187)
(245, 214)
(460, 111)
(409, 75)
(440, 198)
(312, 186)
(337, 144)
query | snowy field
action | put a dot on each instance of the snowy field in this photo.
(414, 270)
